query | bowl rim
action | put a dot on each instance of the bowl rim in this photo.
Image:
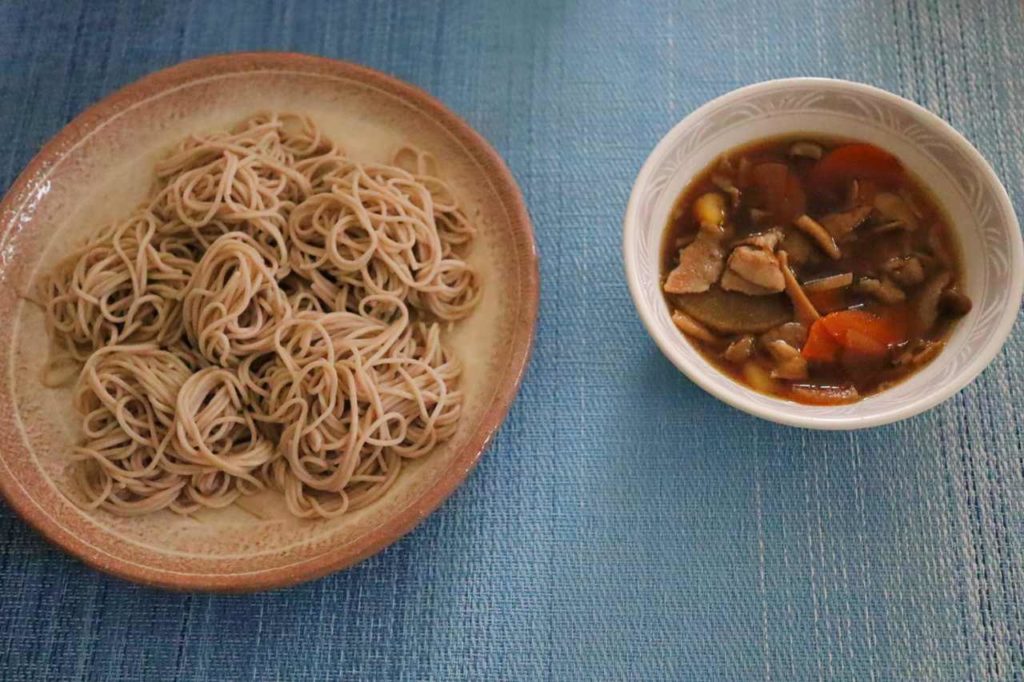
(419, 507)
(737, 395)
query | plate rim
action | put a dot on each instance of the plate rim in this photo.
(419, 507)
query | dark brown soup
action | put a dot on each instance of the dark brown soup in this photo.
(816, 270)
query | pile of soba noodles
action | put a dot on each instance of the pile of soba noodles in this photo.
(270, 317)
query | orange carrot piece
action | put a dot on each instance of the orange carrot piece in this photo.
(854, 162)
(855, 332)
(820, 346)
(862, 344)
(874, 327)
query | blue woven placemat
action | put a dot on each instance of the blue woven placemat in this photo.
(624, 525)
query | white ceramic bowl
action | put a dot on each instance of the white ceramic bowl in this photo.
(938, 155)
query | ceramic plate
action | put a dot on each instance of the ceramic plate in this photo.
(99, 167)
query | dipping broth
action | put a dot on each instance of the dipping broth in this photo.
(815, 270)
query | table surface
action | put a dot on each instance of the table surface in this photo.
(624, 524)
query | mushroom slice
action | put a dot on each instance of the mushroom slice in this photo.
(888, 226)
(740, 350)
(758, 266)
(926, 306)
(793, 333)
(842, 223)
(894, 209)
(882, 289)
(905, 270)
(799, 248)
(955, 303)
(807, 150)
(911, 202)
(743, 172)
(687, 324)
(806, 313)
(937, 245)
(759, 215)
(921, 353)
(819, 234)
(829, 283)
(852, 194)
(725, 184)
(789, 363)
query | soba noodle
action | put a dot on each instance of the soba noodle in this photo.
(122, 286)
(270, 317)
(377, 231)
(127, 397)
(232, 305)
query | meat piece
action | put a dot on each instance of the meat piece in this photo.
(806, 313)
(793, 333)
(739, 351)
(842, 223)
(926, 305)
(819, 235)
(763, 240)
(700, 265)
(732, 282)
(882, 289)
(906, 270)
(758, 266)
(687, 324)
(789, 363)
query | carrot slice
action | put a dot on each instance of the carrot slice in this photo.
(820, 346)
(880, 330)
(854, 162)
(862, 344)
(780, 190)
(853, 332)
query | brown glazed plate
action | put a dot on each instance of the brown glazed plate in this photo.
(99, 167)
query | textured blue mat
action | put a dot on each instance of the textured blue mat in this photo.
(624, 525)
